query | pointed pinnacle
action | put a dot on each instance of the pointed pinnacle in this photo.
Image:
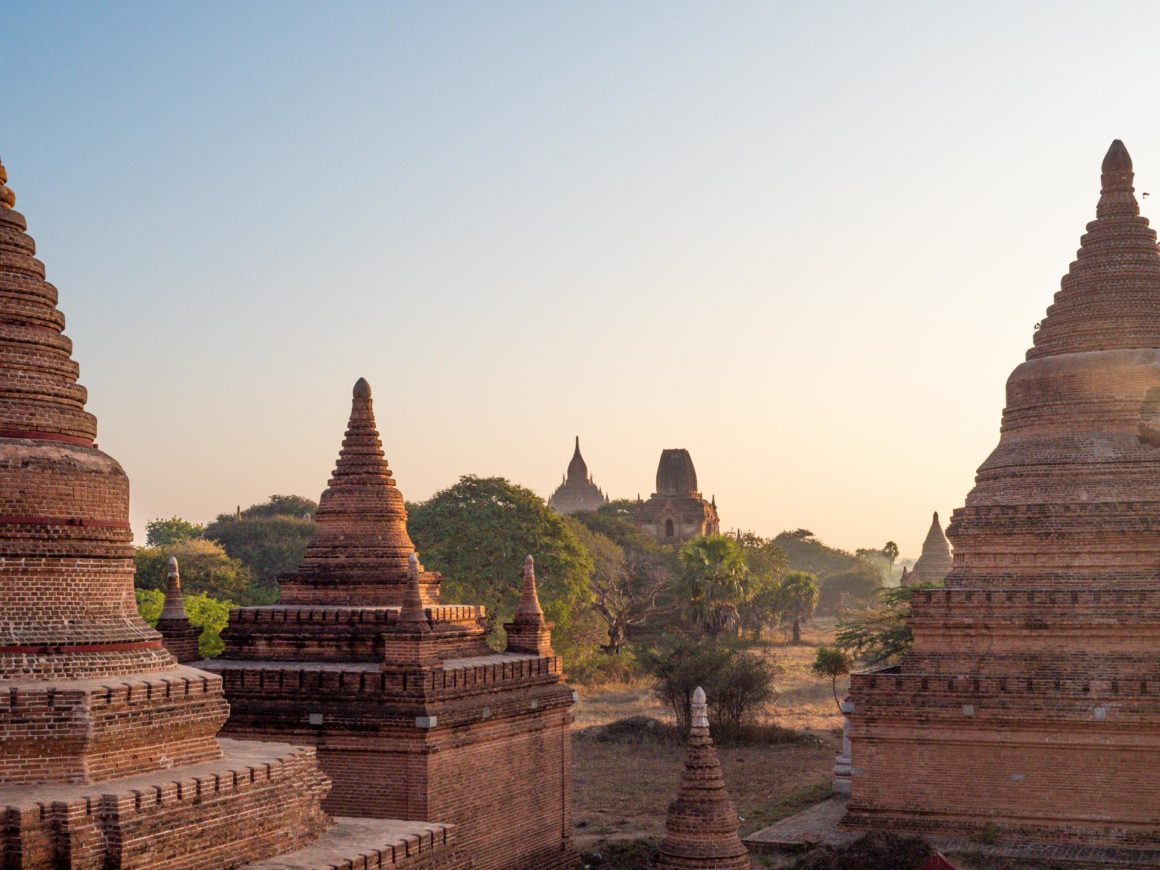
(699, 710)
(529, 599)
(1117, 159)
(413, 614)
(362, 389)
(174, 574)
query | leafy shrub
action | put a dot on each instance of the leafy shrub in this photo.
(208, 614)
(595, 668)
(738, 683)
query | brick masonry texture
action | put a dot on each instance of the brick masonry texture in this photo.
(1030, 702)
(108, 751)
(413, 716)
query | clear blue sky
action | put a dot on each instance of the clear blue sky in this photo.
(806, 241)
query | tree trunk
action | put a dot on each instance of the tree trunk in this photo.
(797, 631)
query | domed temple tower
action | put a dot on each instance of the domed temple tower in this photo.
(676, 511)
(108, 749)
(577, 492)
(935, 562)
(701, 826)
(1029, 705)
(412, 714)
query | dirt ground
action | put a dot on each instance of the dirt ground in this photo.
(621, 791)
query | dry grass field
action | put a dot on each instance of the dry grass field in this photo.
(622, 789)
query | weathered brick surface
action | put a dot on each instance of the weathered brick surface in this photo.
(108, 756)
(677, 511)
(413, 715)
(1030, 702)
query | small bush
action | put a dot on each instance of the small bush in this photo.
(738, 683)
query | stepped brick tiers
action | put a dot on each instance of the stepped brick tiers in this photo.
(676, 511)
(935, 562)
(1029, 706)
(577, 492)
(413, 716)
(701, 827)
(178, 636)
(108, 754)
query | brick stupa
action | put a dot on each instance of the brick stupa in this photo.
(412, 714)
(177, 633)
(935, 562)
(577, 492)
(1029, 706)
(701, 825)
(108, 749)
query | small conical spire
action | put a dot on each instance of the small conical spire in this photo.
(174, 607)
(7, 197)
(529, 599)
(699, 712)
(1116, 177)
(701, 827)
(412, 614)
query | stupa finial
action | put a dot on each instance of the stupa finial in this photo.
(699, 709)
(413, 614)
(362, 389)
(529, 599)
(174, 607)
(1117, 159)
(7, 197)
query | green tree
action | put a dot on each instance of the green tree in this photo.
(477, 533)
(165, 533)
(270, 539)
(208, 614)
(205, 567)
(797, 596)
(832, 662)
(711, 584)
(624, 584)
(766, 564)
(881, 634)
(890, 551)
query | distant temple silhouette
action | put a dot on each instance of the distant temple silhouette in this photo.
(577, 492)
(677, 511)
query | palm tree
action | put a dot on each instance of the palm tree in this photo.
(711, 584)
(797, 596)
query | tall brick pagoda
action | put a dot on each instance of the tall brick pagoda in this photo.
(1029, 706)
(577, 492)
(935, 562)
(677, 511)
(412, 714)
(108, 749)
(701, 825)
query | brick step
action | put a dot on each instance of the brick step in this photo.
(369, 844)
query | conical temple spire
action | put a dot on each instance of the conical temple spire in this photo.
(1110, 297)
(528, 632)
(701, 827)
(412, 615)
(178, 635)
(529, 599)
(577, 468)
(360, 550)
(174, 602)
